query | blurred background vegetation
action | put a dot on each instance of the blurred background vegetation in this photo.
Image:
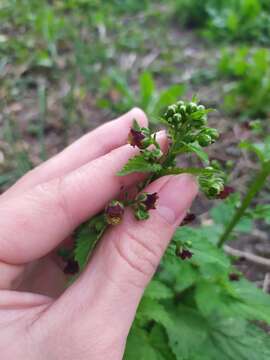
(67, 66)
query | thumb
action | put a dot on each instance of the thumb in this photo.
(126, 259)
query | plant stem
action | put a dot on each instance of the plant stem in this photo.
(254, 188)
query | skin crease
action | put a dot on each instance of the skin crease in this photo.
(39, 318)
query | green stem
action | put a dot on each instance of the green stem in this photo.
(254, 188)
(175, 171)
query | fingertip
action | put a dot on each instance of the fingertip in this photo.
(137, 114)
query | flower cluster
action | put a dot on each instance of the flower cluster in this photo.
(190, 119)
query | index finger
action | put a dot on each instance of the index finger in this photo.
(89, 147)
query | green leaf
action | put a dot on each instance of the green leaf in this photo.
(139, 164)
(208, 297)
(139, 346)
(86, 237)
(157, 290)
(150, 309)
(262, 211)
(254, 303)
(147, 88)
(159, 340)
(262, 150)
(187, 334)
(168, 96)
(211, 261)
(195, 337)
(197, 149)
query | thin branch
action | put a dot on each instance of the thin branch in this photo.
(246, 255)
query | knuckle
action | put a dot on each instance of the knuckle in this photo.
(138, 255)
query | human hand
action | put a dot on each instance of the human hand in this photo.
(91, 319)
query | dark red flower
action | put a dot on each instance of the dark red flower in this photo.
(72, 267)
(234, 277)
(114, 212)
(135, 138)
(150, 201)
(228, 190)
(188, 219)
(184, 254)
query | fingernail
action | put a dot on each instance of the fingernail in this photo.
(176, 196)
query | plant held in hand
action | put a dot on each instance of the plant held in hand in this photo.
(188, 133)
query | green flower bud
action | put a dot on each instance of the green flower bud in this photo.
(171, 110)
(192, 107)
(201, 107)
(182, 109)
(177, 118)
(198, 120)
(204, 140)
(180, 103)
(213, 133)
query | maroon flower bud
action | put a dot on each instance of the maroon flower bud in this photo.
(148, 201)
(114, 212)
(184, 254)
(226, 192)
(234, 277)
(188, 219)
(136, 138)
(72, 267)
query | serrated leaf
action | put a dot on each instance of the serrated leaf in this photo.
(187, 334)
(150, 309)
(255, 304)
(197, 149)
(262, 211)
(86, 237)
(211, 261)
(195, 337)
(139, 346)
(157, 290)
(139, 164)
(208, 297)
(159, 340)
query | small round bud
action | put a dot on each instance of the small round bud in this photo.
(214, 190)
(204, 140)
(199, 121)
(183, 109)
(213, 133)
(171, 110)
(192, 107)
(114, 212)
(180, 103)
(201, 107)
(177, 118)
